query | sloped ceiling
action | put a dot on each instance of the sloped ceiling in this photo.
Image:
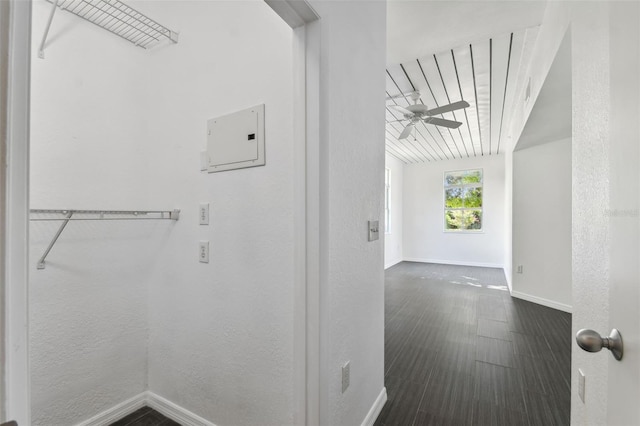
(486, 70)
(550, 117)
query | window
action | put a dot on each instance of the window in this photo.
(387, 200)
(463, 200)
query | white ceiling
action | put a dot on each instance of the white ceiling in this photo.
(416, 28)
(453, 50)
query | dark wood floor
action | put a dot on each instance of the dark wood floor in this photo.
(460, 351)
(145, 417)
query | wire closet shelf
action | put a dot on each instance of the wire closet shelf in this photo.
(117, 18)
(43, 215)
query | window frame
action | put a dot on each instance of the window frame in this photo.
(444, 200)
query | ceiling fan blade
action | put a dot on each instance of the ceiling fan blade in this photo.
(418, 109)
(401, 95)
(401, 110)
(446, 108)
(407, 131)
(442, 122)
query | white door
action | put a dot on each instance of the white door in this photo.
(606, 218)
(624, 292)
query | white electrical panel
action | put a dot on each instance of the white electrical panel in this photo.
(236, 141)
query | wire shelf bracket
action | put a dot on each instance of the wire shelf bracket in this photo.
(115, 17)
(68, 215)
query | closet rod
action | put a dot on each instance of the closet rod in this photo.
(102, 215)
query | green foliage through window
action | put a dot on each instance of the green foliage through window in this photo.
(463, 200)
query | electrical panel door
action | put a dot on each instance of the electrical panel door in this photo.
(236, 141)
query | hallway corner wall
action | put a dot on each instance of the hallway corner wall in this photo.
(542, 224)
(352, 63)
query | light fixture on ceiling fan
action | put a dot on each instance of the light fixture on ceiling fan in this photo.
(419, 112)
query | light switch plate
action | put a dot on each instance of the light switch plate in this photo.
(203, 254)
(204, 214)
(346, 375)
(374, 230)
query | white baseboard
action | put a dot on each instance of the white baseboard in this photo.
(542, 301)
(116, 413)
(175, 412)
(392, 263)
(454, 262)
(376, 408)
(149, 399)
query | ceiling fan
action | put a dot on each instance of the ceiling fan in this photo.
(419, 112)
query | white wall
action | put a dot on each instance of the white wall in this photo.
(542, 224)
(590, 228)
(123, 307)
(393, 237)
(221, 334)
(88, 308)
(424, 236)
(352, 60)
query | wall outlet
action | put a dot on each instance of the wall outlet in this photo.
(581, 380)
(519, 269)
(346, 375)
(204, 214)
(203, 255)
(374, 230)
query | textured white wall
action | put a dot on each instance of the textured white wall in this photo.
(125, 307)
(352, 59)
(88, 308)
(393, 239)
(221, 334)
(542, 223)
(424, 236)
(591, 240)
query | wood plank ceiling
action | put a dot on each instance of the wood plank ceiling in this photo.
(486, 73)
